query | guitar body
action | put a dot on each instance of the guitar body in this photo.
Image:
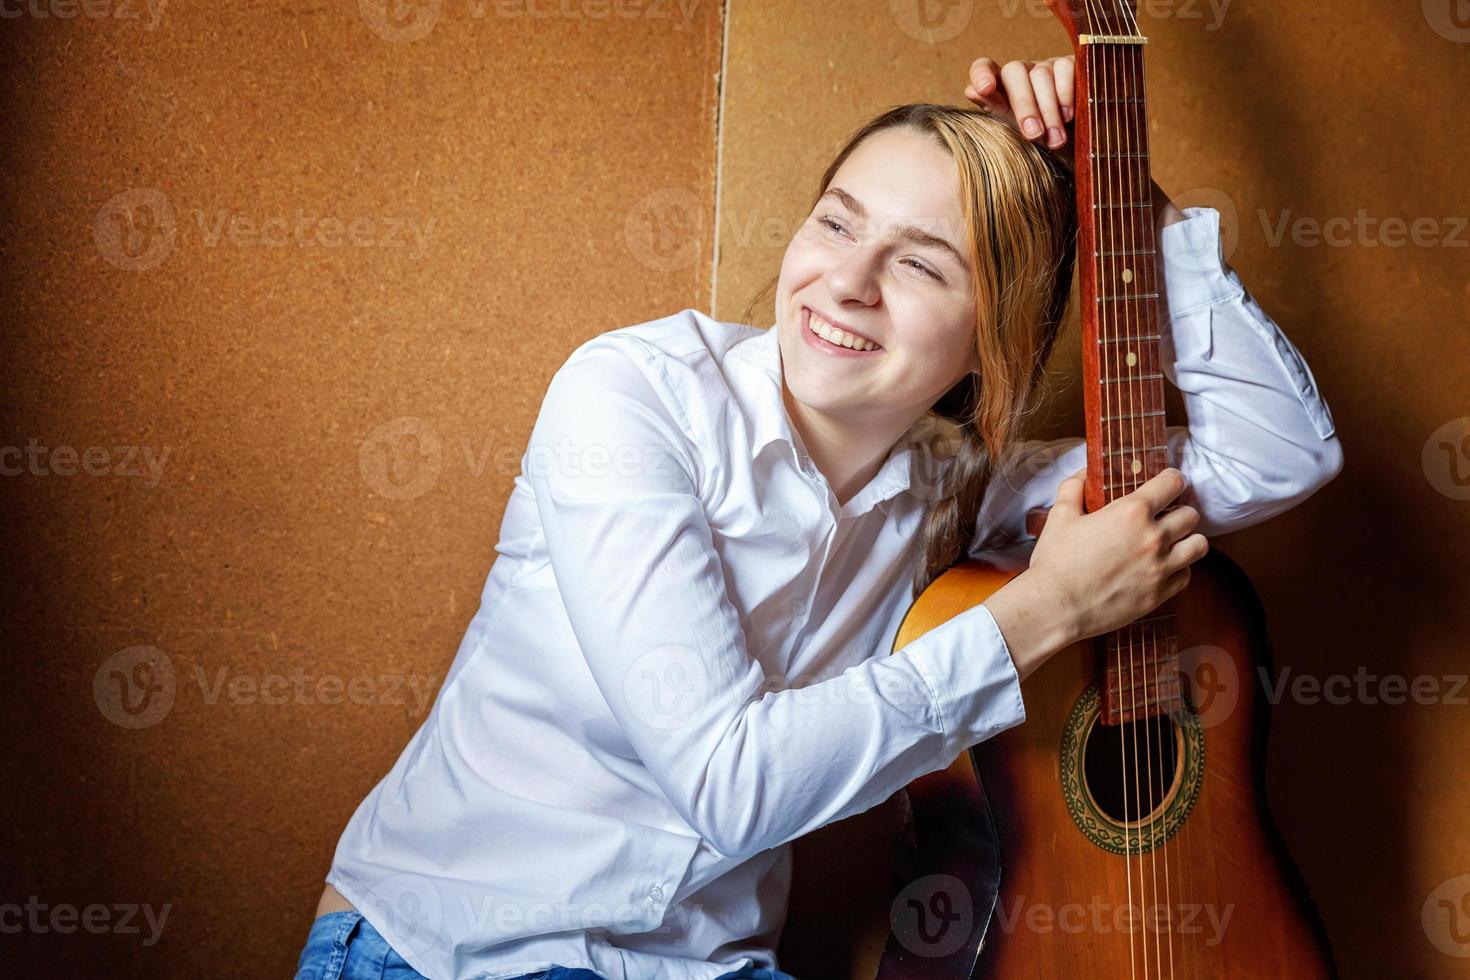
(1198, 884)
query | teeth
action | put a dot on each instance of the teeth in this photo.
(836, 336)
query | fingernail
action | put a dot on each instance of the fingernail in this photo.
(1067, 113)
(1032, 127)
(1056, 136)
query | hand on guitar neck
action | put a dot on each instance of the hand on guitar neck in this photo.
(1094, 572)
(1037, 98)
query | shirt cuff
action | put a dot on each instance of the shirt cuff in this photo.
(1192, 263)
(972, 679)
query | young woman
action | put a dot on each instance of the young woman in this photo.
(681, 659)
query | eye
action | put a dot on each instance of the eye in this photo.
(828, 222)
(923, 268)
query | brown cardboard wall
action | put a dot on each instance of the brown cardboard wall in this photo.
(1311, 129)
(284, 285)
(319, 271)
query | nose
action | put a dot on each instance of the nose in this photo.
(854, 277)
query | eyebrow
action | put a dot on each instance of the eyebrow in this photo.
(908, 233)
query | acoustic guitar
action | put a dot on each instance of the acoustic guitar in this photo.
(1122, 830)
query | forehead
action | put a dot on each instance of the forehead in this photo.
(902, 175)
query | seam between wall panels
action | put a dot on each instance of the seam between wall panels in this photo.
(722, 84)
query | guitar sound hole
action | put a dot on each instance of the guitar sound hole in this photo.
(1131, 768)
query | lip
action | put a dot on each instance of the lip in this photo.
(832, 350)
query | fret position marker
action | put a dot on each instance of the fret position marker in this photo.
(1132, 359)
(1127, 275)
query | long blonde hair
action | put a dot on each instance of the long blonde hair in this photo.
(1019, 204)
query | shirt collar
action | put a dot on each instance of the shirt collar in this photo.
(910, 464)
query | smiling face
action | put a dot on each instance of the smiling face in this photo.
(872, 257)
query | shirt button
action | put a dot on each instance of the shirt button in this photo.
(656, 893)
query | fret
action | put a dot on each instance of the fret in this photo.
(1130, 204)
(1164, 617)
(1124, 486)
(1150, 652)
(1123, 296)
(1119, 156)
(1124, 340)
(1115, 101)
(1130, 379)
(1130, 415)
(1133, 706)
(1132, 251)
(1155, 691)
(1129, 39)
(1133, 451)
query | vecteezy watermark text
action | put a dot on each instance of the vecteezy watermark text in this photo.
(125, 461)
(97, 918)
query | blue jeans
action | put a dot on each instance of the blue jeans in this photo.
(345, 946)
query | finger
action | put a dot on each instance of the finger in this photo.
(1186, 553)
(1044, 86)
(1065, 70)
(1164, 487)
(1069, 495)
(985, 83)
(1016, 78)
(1178, 522)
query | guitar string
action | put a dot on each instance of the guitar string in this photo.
(1116, 57)
(1183, 838)
(1133, 137)
(1107, 253)
(1119, 143)
(1140, 121)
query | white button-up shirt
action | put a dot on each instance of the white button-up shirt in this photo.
(681, 661)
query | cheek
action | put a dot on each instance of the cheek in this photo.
(806, 257)
(939, 353)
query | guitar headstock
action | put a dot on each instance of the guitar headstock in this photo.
(1096, 18)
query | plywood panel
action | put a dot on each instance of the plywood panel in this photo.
(1288, 119)
(314, 265)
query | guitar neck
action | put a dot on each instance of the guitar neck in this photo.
(1122, 375)
(1123, 382)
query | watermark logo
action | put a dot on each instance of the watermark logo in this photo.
(1210, 12)
(401, 458)
(1210, 675)
(406, 21)
(136, 229)
(1446, 916)
(1207, 259)
(1446, 459)
(138, 687)
(1450, 19)
(135, 687)
(1100, 916)
(664, 687)
(400, 21)
(1363, 230)
(665, 230)
(1365, 687)
(933, 915)
(409, 910)
(932, 21)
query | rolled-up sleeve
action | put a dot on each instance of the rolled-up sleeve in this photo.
(1260, 438)
(615, 473)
